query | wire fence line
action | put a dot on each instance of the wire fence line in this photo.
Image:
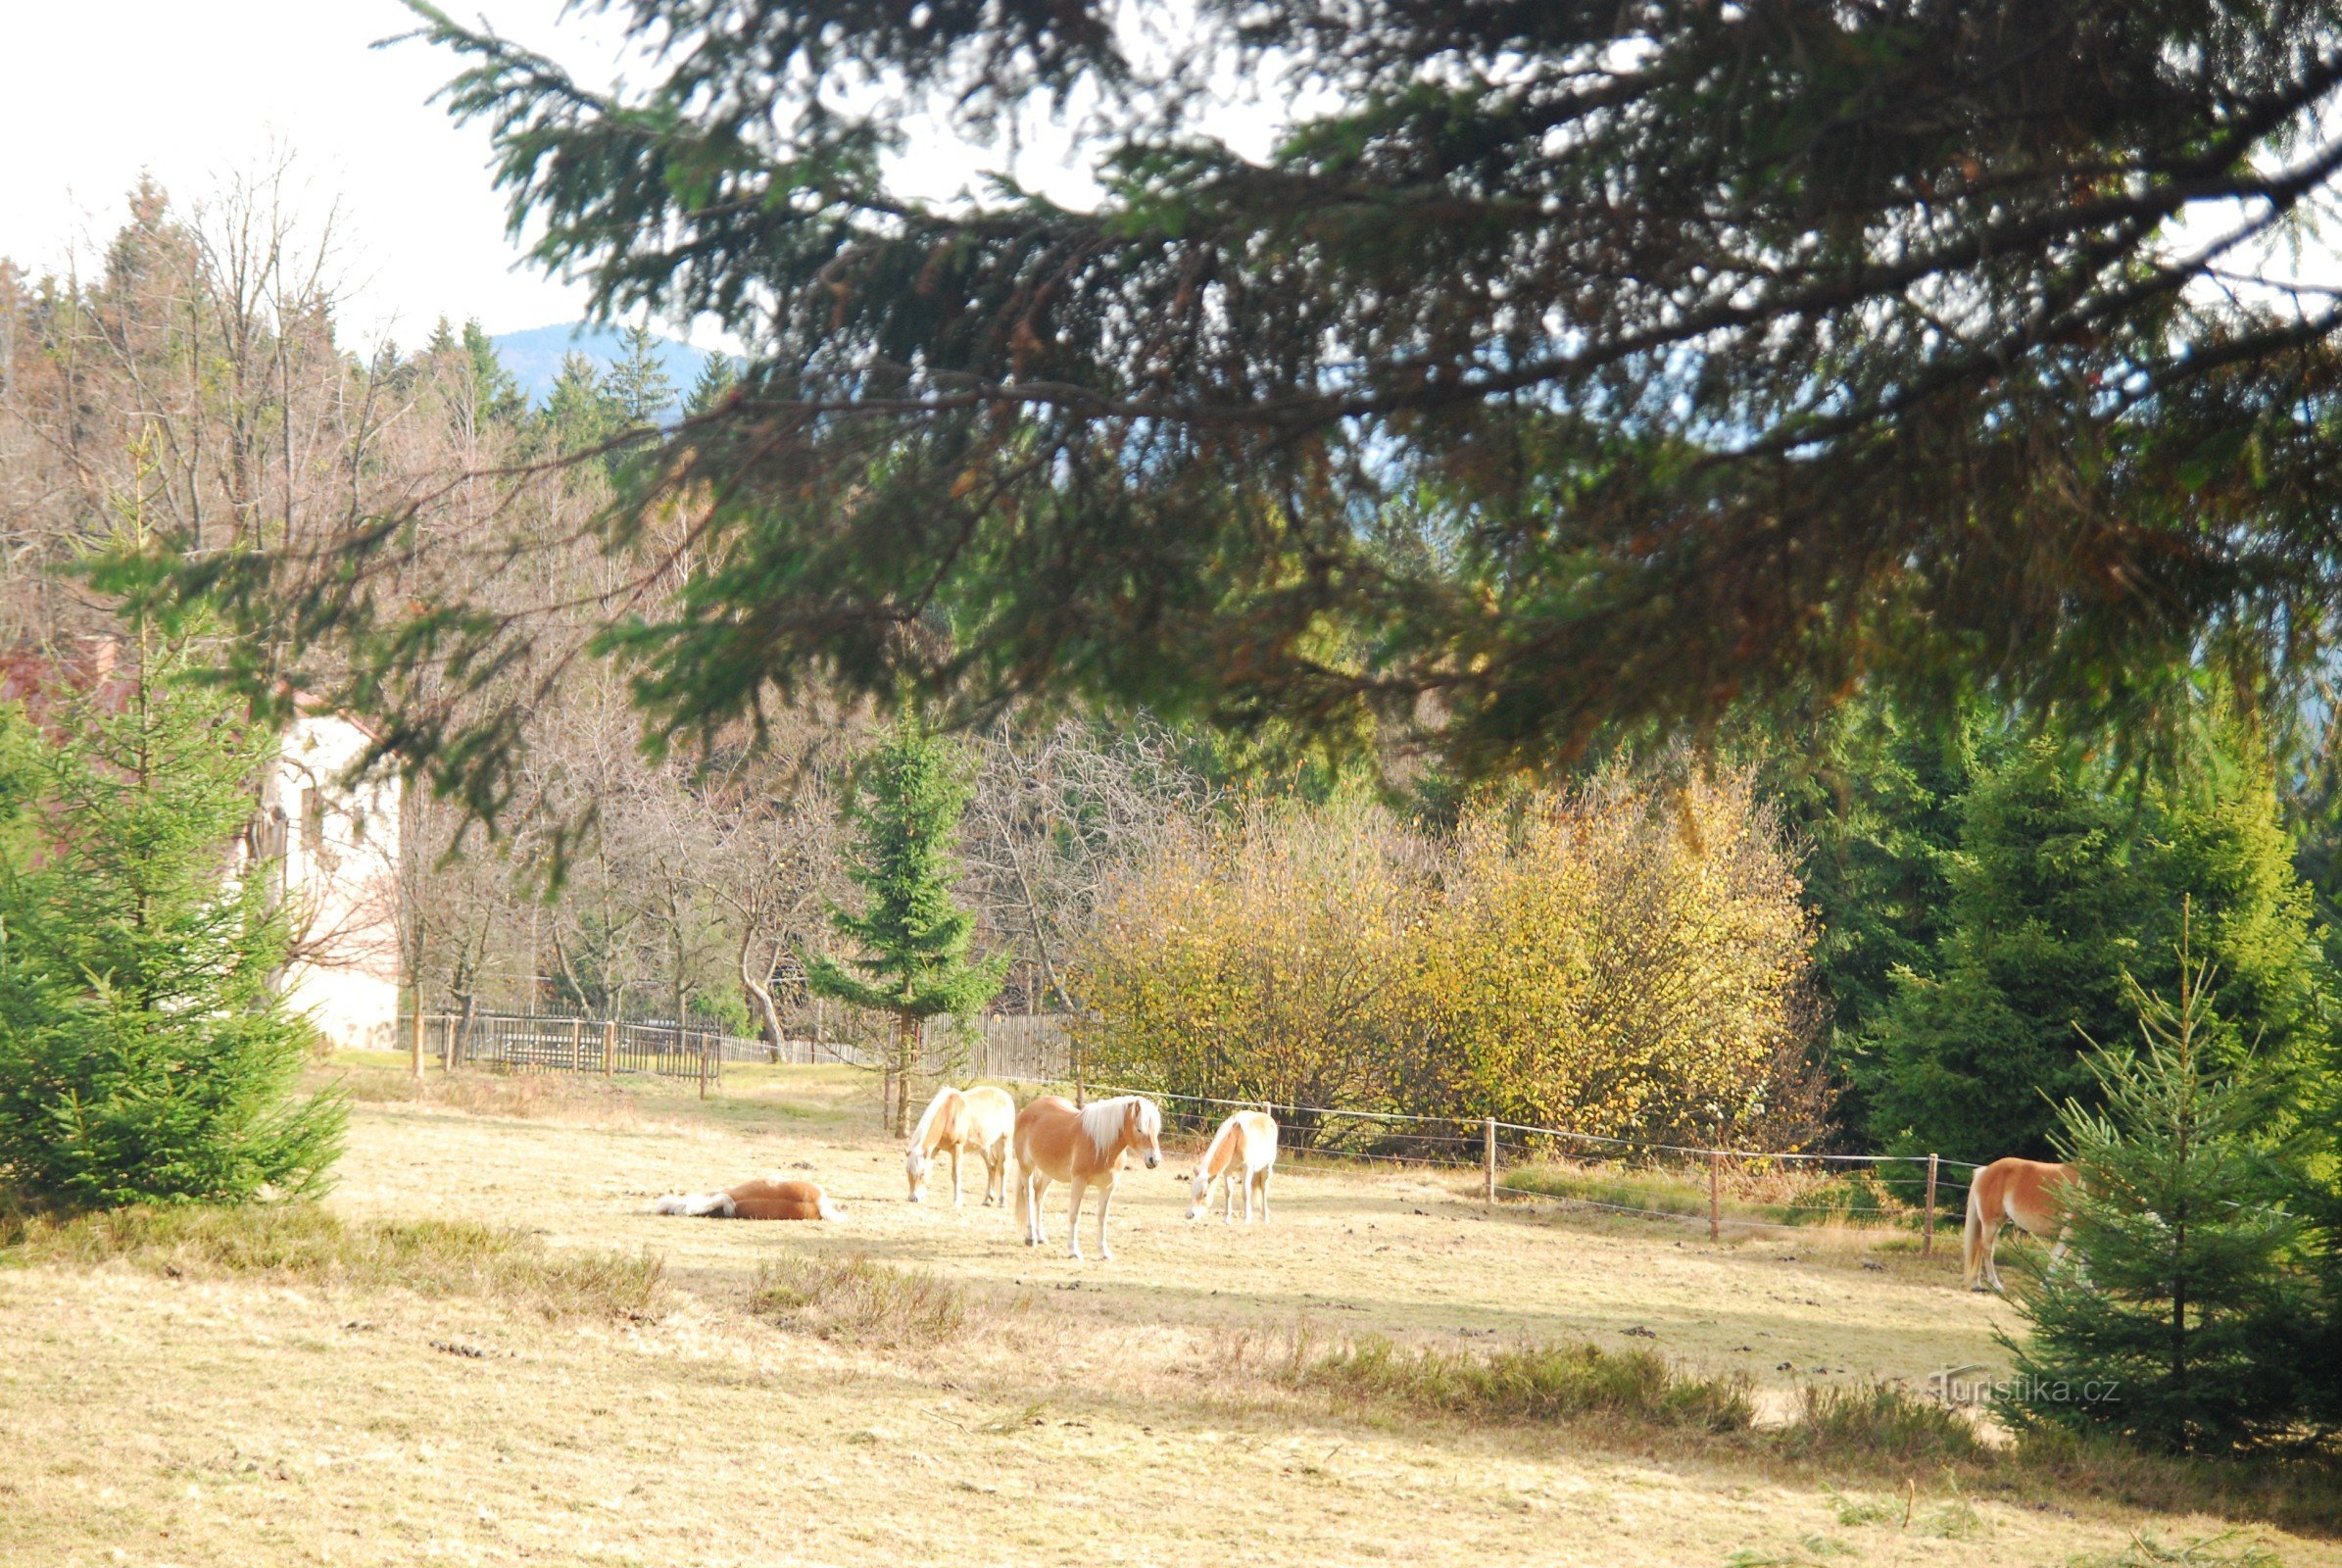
(1778, 1190)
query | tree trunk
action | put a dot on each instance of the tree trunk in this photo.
(906, 1055)
(768, 1016)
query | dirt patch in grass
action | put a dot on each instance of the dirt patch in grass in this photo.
(304, 1243)
(861, 1301)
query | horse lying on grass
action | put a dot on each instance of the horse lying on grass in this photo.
(1057, 1142)
(983, 1119)
(1242, 1152)
(2022, 1192)
(765, 1197)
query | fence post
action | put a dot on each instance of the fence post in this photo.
(1487, 1159)
(1926, 1247)
(577, 1045)
(418, 1048)
(610, 1048)
(703, 1066)
(1715, 1197)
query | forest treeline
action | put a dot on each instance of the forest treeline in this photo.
(1883, 931)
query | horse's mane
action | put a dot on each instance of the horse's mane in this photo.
(1102, 1119)
(918, 1134)
(1228, 1129)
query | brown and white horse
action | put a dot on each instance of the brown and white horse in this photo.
(765, 1197)
(983, 1119)
(1057, 1142)
(1242, 1152)
(2022, 1192)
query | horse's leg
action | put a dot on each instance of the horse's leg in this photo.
(1262, 1179)
(955, 1175)
(1251, 1179)
(1030, 1186)
(1228, 1197)
(1106, 1199)
(1992, 1257)
(1073, 1236)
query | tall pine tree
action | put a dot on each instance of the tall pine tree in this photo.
(144, 1053)
(913, 936)
(2066, 885)
(638, 383)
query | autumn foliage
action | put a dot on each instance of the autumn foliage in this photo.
(1616, 960)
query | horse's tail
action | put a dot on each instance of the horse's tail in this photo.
(694, 1205)
(1020, 1149)
(1971, 1233)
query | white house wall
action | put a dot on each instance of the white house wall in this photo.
(338, 850)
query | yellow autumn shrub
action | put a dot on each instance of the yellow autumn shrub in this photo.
(1615, 960)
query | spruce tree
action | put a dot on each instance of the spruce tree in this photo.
(580, 411)
(638, 383)
(2182, 1318)
(495, 395)
(1875, 797)
(913, 936)
(144, 1053)
(2066, 887)
(717, 378)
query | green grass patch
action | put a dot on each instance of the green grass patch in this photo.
(858, 1300)
(1776, 1197)
(1879, 1421)
(1530, 1383)
(312, 1246)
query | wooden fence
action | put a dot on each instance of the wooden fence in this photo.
(540, 1042)
(1028, 1047)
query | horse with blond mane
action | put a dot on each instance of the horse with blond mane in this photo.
(1242, 1152)
(984, 1119)
(2022, 1192)
(1056, 1142)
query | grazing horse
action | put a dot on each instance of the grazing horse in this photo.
(1057, 1142)
(1243, 1150)
(2022, 1192)
(983, 1119)
(765, 1197)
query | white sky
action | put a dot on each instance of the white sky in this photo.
(200, 90)
(195, 91)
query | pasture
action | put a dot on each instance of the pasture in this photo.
(1058, 1412)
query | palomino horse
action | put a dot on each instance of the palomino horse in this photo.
(983, 1119)
(765, 1197)
(1057, 1142)
(2022, 1192)
(1243, 1151)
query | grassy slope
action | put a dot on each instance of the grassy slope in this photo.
(200, 1420)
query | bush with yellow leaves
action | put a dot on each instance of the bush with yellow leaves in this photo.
(1618, 960)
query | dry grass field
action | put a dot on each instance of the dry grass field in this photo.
(154, 1411)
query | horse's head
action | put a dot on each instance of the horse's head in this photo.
(1199, 1187)
(914, 1166)
(1142, 1130)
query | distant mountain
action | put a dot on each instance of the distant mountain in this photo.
(534, 356)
